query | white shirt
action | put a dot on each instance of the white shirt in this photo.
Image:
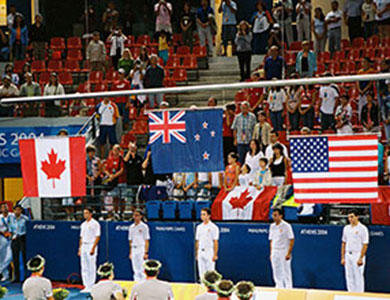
(206, 234)
(89, 231)
(245, 179)
(203, 177)
(105, 289)
(355, 237)
(280, 235)
(151, 289)
(269, 152)
(137, 78)
(215, 179)
(37, 288)
(207, 296)
(334, 14)
(276, 100)
(138, 234)
(108, 113)
(253, 161)
(380, 5)
(328, 95)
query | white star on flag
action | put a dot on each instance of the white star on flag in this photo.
(206, 156)
(212, 133)
(205, 125)
(197, 137)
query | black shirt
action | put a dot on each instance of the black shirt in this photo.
(38, 34)
(134, 170)
(187, 19)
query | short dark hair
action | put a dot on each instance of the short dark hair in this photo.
(248, 167)
(140, 211)
(64, 131)
(89, 209)
(91, 148)
(225, 288)
(275, 132)
(262, 113)
(152, 264)
(265, 160)
(207, 210)
(279, 210)
(231, 107)
(18, 206)
(354, 212)
(234, 155)
(210, 278)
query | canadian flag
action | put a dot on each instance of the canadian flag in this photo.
(243, 203)
(53, 167)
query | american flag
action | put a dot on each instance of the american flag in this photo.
(341, 169)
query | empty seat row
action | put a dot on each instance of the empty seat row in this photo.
(172, 210)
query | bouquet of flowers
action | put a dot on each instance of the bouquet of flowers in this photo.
(60, 294)
(3, 292)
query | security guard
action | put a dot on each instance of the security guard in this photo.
(106, 288)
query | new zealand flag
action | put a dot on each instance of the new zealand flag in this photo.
(186, 140)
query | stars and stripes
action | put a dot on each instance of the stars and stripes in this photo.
(335, 168)
(167, 126)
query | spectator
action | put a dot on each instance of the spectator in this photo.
(386, 110)
(328, 98)
(190, 187)
(7, 90)
(154, 78)
(368, 17)
(133, 167)
(333, 22)
(262, 130)
(26, 69)
(212, 102)
(282, 13)
(275, 38)
(343, 116)
(263, 175)
(275, 65)
(243, 126)
(178, 185)
(369, 115)
(278, 166)
(305, 131)
(204, 186)
(9, 70)
(164, 43)
(245, 178)
(227, 132)
(109, 114)
(276, 100)
(96, 53)
(306, 62)
(232, 172)
(364, 86)
(293, 95)
(303, 10)
(243, 43)
(19, 38)
(110, 19)
(353, 18)
(137, 83)
(38, 38)
(117, 40)
(4, 47)
(261, 21)
(253, 156)
(78, 108)
(383, 86)
(228, 9)
(319, 29)
(30, 89)
(11, 16)
(144, 57)
(307, 99)
(203, 18)
(122, 84)
(187, 23)
(94, 171)
(382, 16)
(163, 11)
(53, 108)
(274, 139)
(126, 62)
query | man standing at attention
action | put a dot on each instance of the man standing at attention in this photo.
(89, 239)
(5, 241)
(281, 238)
(18, 244)
(139, 245)
(206, 243)
(353, 252)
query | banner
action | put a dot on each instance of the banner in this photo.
(243, 203)
(53, 167)
(186, 140)
(9, 138)
(380, 212)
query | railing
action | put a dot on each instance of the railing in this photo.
(90, 129)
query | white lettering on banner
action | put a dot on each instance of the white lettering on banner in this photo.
(377, 233)
(170, 228)
(6, 153)
(314, 231)
(266, 295)
(225, 230)
(122, 228)
(3, 140)
(75, 227)
(340, 297)
(258, 230)
(44, 227)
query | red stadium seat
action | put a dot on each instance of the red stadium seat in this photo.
(334, 68)
(101, 87)
(38, 66)
(96, 77)
(177, 38)
(354, 54)
(126, 139)
(369, 52)
(183, 51)
(173, 63)
(18, 66)
(86, 66)
(44, 78)
(190, 63)
(135, 52)
(373, 41)
(168, 82)
(241, 96)
(323, 57)
(65, 78)
(345, 44)
(290, 58)
(358, 42)
(74, 54)
(74, 42)
(111, 76)
(179, 75)
(320, 69)
(131, 39)
(338, 56)
(199, 51)
(72, 66)
(84, 87)
(57, 43)
(55, 66)
(167, 74)
(348, 68)
(143, 40)
(152, 50)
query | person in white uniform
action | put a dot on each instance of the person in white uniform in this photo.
(210, 279)
(89, 239)
(5, 241)
(281, 238)
(245, 290)
(353, 252)
(106, 288)
(37, 287)
(139, 245)
(206, 243)
(151, 287)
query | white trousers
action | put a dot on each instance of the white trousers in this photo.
(137, 262)
(281, 269)
(5, 256)
(205, 261)
(354, 274)
(303, 28)
(88, 265)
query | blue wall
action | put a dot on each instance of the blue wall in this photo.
(244, 252)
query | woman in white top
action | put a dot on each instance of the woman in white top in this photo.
(276, 99)
(245, 179)
(136, 77)
(318, 28)
(117, 40)
(382, 17)
(253, 156)
(261, 21)
(343, 116)
(53, 108)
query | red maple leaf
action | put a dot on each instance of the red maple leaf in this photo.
(53, 168)
(241, 201)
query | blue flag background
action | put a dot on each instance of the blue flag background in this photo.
(203, 149)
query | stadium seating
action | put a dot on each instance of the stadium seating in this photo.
(38, 66)
(186, 209)
(72, 66)
(74, 43)
(153, 209)
(199, 205)
(57, 43)
(169, 210)
(55, 66)
(65, 78)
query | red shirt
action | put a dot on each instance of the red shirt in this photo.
(227, 130)
(121, 85)
(114, 164)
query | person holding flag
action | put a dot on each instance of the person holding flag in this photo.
(5, 241)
